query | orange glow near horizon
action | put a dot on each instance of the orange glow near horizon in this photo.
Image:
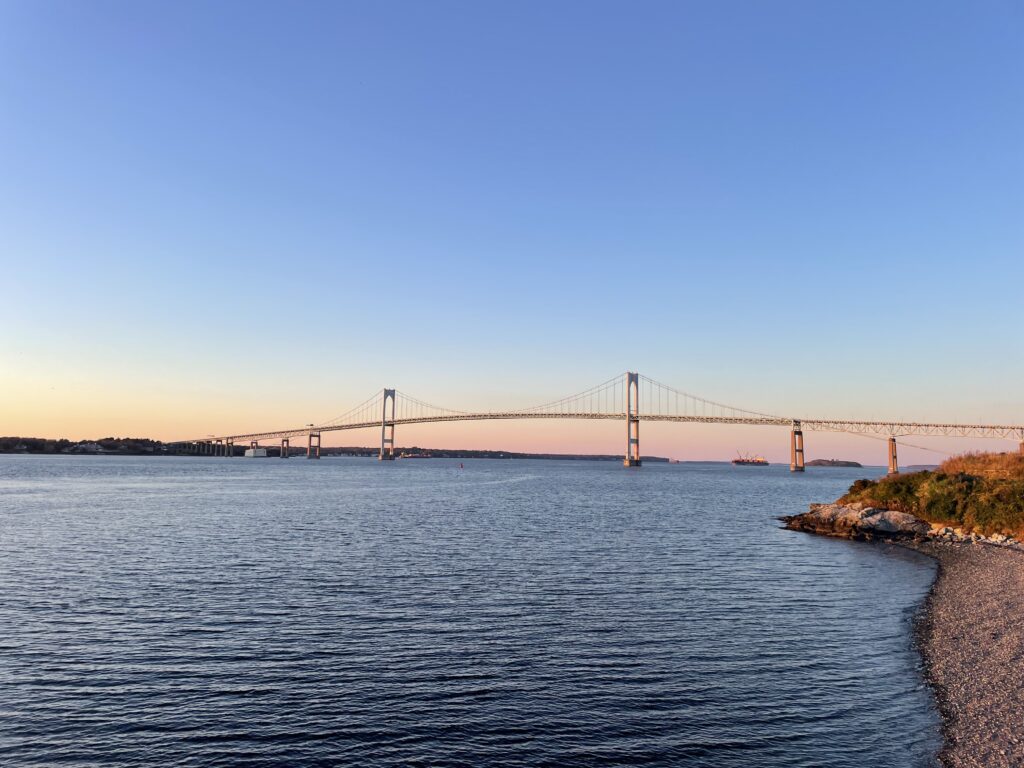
(81, 410)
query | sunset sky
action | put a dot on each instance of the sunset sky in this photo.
(222, 217)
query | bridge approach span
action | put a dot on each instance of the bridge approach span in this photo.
(632, 399)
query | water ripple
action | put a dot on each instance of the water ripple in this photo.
(212, 612)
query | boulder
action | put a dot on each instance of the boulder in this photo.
(896, 524)
(858, 522)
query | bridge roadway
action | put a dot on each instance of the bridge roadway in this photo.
(598, 403)
(895, 428)
(224, 444)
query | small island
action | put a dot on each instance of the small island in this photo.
(832, 463)
(968, 515)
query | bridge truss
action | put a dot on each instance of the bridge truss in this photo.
(632, 398)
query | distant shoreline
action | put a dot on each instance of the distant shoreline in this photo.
(115, 446)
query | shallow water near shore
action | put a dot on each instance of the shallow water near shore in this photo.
(198, 611)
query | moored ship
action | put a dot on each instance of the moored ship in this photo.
(748, 460)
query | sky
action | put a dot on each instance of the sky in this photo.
(224, 217)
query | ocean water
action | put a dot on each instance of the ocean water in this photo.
(210, 611)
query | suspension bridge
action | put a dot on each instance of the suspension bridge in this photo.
(630, 398)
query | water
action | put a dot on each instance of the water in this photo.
(201, 611)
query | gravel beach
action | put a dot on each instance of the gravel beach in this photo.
(971, 636)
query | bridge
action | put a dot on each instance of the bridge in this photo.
(630, 398)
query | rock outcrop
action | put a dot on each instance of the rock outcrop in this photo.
(858, 521)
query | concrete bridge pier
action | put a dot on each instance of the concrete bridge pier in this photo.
(229, 448)
(285, 448)
(313, 446)
(796, 448)
(894, 466)
(632, 458)
(387, 428)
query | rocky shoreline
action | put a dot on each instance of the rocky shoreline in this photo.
(859, 521)
(968, 631)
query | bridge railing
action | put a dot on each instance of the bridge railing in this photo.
(650, 400)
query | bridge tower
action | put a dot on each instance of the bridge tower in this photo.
(894, 466)
(229, 448)
(285, 448)
(313, 446)
(387, 428)
(632, 420)
(796, 448)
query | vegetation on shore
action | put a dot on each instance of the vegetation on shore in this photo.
(134, 446)
(980, 492)
(140, 446)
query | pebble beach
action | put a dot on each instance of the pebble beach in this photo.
(971, 638)
(970, 631)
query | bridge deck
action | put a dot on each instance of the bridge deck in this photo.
(896, 428)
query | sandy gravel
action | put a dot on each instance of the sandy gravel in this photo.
(971, 635)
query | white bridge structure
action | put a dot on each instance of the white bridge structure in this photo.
(630, 398)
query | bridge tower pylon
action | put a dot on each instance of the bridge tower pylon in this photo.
(796, 448)
(313, 446)
(387, 427)
(894, 465)
(285, 448)
(632, 420)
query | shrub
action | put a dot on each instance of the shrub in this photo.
(979, 492)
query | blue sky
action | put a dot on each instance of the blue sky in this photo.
(243, 213)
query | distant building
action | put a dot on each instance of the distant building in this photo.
(86, 448)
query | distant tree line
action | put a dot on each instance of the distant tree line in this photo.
(123, 445)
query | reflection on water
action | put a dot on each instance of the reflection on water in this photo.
(197, 611)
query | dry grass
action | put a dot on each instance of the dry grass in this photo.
(1009, 466)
